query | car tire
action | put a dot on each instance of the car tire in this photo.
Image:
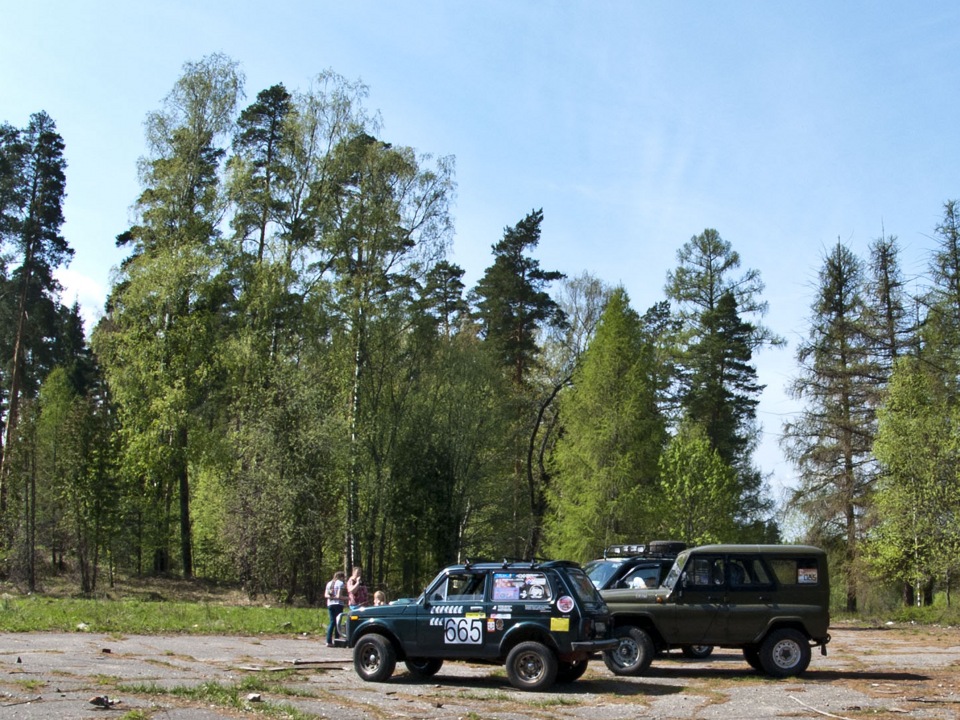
(568, 672)
(423, 667)
(784, 653)
(531, 666)
(374, 658)
(697, 652)
(634, 653)
(752, 655)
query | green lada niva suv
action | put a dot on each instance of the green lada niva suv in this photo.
(543, 620)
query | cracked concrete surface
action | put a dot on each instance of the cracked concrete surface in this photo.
(900, 672)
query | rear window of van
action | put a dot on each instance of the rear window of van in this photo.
(796, 571)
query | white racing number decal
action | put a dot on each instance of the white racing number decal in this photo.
(463, 631)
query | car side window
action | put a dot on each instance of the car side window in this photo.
(459, 587)
(641, 577)
(796, 571)
(747, 573)
(521, 587)
(704, 572)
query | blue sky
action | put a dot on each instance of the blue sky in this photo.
(634, 125)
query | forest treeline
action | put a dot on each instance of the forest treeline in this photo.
(291, 377)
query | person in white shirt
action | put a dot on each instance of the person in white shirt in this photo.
(335, 593)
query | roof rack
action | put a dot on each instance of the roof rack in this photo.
(654, 548)
(624, 550)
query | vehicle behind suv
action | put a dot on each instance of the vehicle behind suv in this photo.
(639, 566)
(633, 565)
(542, 619)
(771, 601)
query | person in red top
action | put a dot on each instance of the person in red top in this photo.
(356, 590)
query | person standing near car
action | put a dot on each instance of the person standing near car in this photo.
(356, 590)
(336, 593)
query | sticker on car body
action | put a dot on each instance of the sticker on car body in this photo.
(463, 631)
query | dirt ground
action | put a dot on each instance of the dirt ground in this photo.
(880, 673)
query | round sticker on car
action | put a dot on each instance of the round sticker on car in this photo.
(565, 604)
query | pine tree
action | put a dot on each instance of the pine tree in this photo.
(33, 187)
(717, 386)
(387, 223)
(831, 439)
(259, 165)
(511, 307)
(288, 378)
(511, 300)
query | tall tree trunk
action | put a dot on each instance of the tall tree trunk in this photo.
(16, 380)
(183, 481)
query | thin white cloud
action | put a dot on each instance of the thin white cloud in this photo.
(84, 290)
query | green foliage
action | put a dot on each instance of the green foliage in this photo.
(167, 312)
(511, 299)
(511, 308)
(292, 379)
(606, 460)
(698, 491)
(32, 191)
(716, 380)
(915, 536)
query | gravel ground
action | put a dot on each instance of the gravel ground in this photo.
(895, 672)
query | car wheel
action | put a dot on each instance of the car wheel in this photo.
(423, 667)
(752, 655)
(634, 653)
(374, 658)
(697, 652)
(567, 672)
(784, 653)
(531, 666)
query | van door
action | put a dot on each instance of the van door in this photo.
(749, 599)
(698, 607)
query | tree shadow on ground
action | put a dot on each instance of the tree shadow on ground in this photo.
(585, 686)
(745, 671)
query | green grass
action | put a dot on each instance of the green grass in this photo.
(230, 695)
(135, 715)
(36, 613)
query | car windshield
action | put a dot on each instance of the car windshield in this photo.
(583, 586)
(674, 573)
(600, 571)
